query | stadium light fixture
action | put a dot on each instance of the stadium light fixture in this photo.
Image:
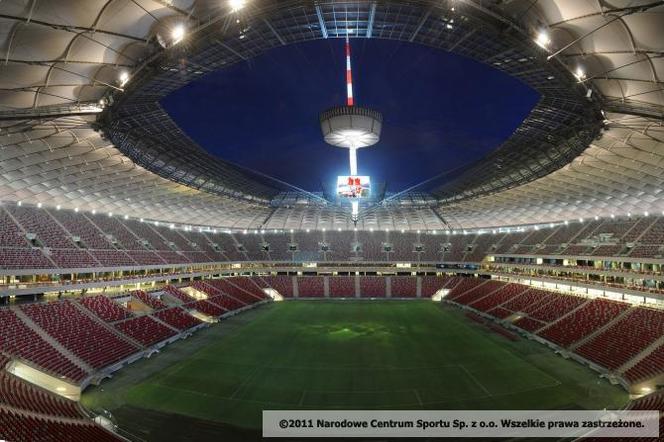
(94, 212)
(124, 78)
(236, 5)
(39, 205)
(308, 230)
(580, 220)
(543, 40)
(58, 207)
(142, 220)
(613, 216)
(76, 209)
(645, 213)
(580, 74)
(19, 203)
(178, 33)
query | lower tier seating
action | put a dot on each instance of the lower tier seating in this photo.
(584, 321)
(21, 427)
(372, 287)
(178, 318)
(207, 308)
(79, 334)
(105, 308)
(17, 339)
(149, 300)
(310, 287)
(145, 330)
(342, 286)
(281, 283)
(648, 367)
(403, 286)
(16, 393)
(625, 339)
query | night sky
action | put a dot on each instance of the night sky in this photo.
(440, 111)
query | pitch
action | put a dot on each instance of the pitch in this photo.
(345, 355)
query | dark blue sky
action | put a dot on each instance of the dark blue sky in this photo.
(440, 111)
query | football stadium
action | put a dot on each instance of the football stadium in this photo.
(216, 210)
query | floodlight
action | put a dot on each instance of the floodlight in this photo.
(236, 5)
(177, 34)
(543, 39)
(124, 78)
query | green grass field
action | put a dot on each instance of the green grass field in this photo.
(345, 355)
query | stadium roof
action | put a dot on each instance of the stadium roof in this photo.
(81, 126)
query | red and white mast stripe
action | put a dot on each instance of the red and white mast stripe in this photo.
(349, 75)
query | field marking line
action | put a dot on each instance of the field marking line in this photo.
(474, 379)
(417, 395)
(246, 381)
(304, 393)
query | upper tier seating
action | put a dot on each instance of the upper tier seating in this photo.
(145, 330)
(338, 242)
(178, 318)
(19, 340)
(41, 224)
(113, 258)
(282, 284)
(105, 308)
(310, 286)
(72, 259)
(625, 339)
(278, 246)
(146, 233)
(24, 259)
(403, 247)
(372, 245)
(10, 234)
(112, 226)
(79, 226)
(584, 321)
(342, 286)
(79, 334)
(403, 286)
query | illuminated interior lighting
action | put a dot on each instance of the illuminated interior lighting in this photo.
(543, 39)
(580, 74)
(236, 5)
(39, 205)
(177, 34)
(124, 78)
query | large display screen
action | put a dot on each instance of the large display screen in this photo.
(353, 186)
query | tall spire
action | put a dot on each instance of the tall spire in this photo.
(349, 75)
